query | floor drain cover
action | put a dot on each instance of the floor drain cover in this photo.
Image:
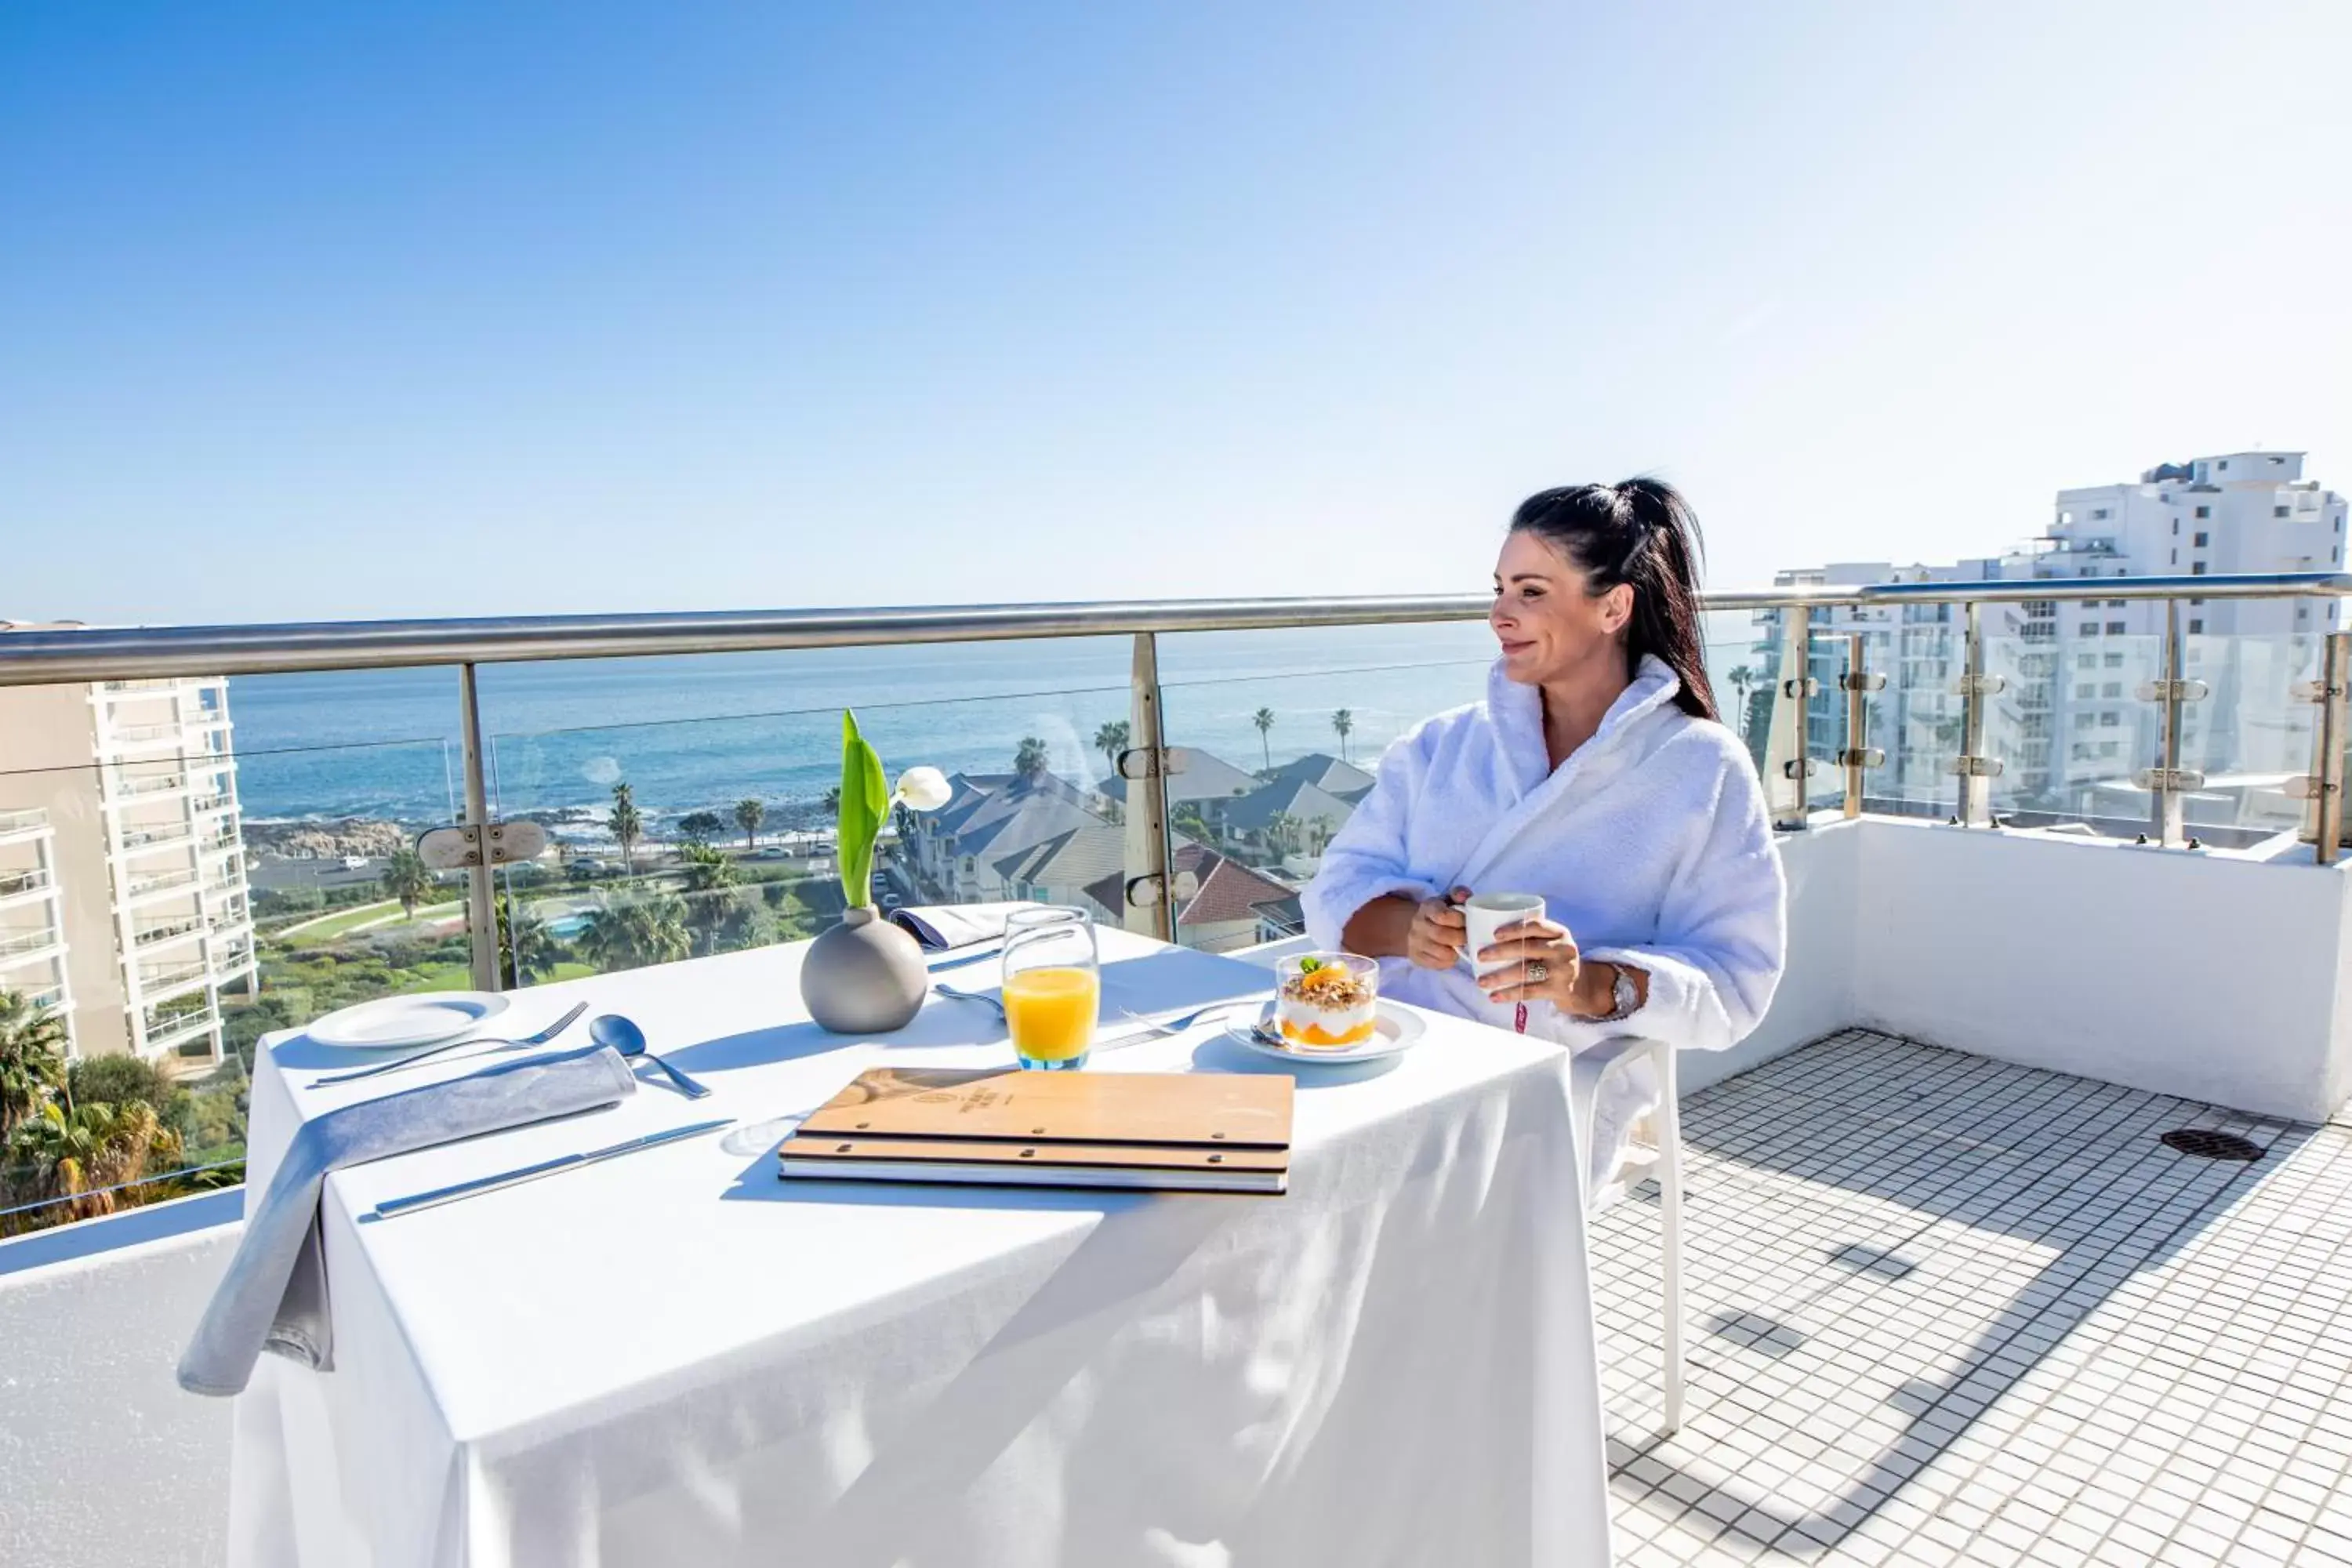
(2207, 1144)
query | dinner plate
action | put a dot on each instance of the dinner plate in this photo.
(1395, 1029)
(390, 1023)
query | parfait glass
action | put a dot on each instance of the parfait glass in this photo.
(1052, 986)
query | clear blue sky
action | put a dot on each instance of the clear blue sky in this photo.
(355, 310)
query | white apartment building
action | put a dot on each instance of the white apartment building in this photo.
(32, 920)
(138, 857)
(2069, 726)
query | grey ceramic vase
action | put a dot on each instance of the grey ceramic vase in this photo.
(864, 976)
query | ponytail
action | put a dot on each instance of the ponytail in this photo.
(1643, 534)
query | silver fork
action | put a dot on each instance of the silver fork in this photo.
(1177, 1026)
(411, 1059)
(982, 998)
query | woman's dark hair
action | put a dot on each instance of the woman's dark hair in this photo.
(1641, 531)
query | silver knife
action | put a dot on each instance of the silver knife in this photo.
(439, 1195)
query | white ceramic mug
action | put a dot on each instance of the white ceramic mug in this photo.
(1487, 913)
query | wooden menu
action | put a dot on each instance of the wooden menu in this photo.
(1177, 1132)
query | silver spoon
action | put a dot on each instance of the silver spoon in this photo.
(625, 1036)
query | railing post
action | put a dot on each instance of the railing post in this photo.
(1788, 752)
(2166, 783)
(1150, 889)
(2326, 782)
(481, 895)
(1975, 769)
(1858, 683)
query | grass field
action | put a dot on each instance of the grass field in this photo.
(343, 921)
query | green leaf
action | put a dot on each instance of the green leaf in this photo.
(865, 799)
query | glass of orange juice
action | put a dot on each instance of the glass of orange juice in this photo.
(1052, 986)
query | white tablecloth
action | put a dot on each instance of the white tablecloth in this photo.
(676, 1358)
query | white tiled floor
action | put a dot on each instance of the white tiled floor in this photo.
(1945, 1309)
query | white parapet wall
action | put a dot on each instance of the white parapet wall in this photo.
(103, 1460)
(2214, 975)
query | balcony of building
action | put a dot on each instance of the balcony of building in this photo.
(155, 935)
(23, 945)
(23, 825)
(167, 1025)
(1966, 1284)
(23, 885)
(147, 837)
(141, 888)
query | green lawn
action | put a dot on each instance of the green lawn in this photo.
(460, 977)
(336, 925)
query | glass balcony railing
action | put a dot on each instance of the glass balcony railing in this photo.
(16, 941)
(150, 784)
(727, 840)
(27, 820)
(16, 884)
(141, 886)
(162, 834)
(164, 932)
(171, 1023)
(161, 976)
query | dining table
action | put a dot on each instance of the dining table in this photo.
(682, 1357)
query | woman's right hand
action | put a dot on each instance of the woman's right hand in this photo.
(1438, 934)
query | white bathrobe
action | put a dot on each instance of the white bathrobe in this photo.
(1650, 844)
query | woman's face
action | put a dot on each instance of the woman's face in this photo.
(1548, 623)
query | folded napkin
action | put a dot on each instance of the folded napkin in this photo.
(940, 927)
(274, 1296)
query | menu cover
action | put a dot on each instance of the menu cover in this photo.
(1169, 1131)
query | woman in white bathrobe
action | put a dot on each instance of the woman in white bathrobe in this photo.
(1595, 773)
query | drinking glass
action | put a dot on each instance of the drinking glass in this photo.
(1052, 986)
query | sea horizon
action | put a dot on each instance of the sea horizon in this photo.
(699, 732)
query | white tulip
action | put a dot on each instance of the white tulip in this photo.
(923, 789)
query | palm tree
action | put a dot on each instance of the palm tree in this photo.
(833, 802)
(1343, 722)
(651, 929)
(711, 880)
(707, 870)
(76, 1154)
(1281, 832)
(32, 1057)
(1741, 678)
(626, 825)
(1264, 720)
(749, 815)
(527, 951)
(1029, 760)
(407, 878)
(1110, 741)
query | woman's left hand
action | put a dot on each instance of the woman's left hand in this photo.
(1539, 964)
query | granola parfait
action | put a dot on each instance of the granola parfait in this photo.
(1326, 1001)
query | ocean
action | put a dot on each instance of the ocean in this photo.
(701, 731)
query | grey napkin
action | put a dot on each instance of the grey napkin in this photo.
(940, 927)
(274, 1296)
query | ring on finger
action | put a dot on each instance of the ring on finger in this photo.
(1537, 972)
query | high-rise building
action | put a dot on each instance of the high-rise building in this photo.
(2070, 725)
(118, 830)
(32, 925)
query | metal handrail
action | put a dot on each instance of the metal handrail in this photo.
(102, 654)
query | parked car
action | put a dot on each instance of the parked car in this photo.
(355, 862)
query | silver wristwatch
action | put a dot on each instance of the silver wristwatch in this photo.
(1624, 998)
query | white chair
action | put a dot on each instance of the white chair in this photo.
(1656, 1149)
(1659, 1154)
